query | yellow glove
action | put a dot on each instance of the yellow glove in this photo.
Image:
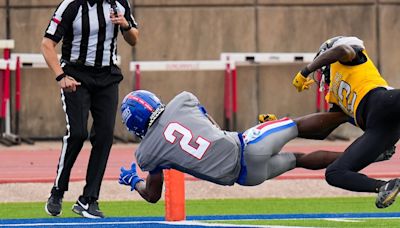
(262, 118)
(301, 83)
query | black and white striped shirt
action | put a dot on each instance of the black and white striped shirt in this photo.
(85, 27)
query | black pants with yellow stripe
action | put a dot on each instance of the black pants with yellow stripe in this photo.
(379, 113)
(97, 94)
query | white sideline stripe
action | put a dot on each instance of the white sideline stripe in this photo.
(10, 44)
(183, 223)
(178, 65)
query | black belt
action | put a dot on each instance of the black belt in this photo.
(84, 67)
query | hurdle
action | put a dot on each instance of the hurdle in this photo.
(6, 66)
(190, 65)
(235, 59)
(36, 60)
(194, 65)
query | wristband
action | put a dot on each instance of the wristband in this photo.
(61, 76)
(135, 180)
(127, 28)
(305, 72)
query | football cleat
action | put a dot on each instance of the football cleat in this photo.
(387, 193)
(262, 118)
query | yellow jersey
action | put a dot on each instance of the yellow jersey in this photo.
(349, 84)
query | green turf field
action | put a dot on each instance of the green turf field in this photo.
(232, 207)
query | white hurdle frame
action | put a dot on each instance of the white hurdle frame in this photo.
(35, 60)
(7, 44)
(257, 58)
(190, 65)
(140, 66)
(267, 57)
(7, 65)
(30, 60)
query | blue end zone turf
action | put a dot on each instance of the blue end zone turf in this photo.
(190, 222)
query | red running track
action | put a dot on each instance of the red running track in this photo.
(38, 163)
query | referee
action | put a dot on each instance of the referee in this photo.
(88, 79)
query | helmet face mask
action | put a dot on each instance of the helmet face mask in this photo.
(326, 73)
(137, 109)
(322, 76)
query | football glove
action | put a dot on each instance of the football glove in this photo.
(262, 118)
(301, 82)
(129, 177)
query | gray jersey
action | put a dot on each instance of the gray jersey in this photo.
(183, 138)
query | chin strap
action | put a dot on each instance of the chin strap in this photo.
(322, 83)
(157, 113)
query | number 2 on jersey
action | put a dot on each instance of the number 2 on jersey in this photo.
(347, 104)
(187, 137)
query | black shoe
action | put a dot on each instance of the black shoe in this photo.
(387, 193)
(87, 208)
(54, 205)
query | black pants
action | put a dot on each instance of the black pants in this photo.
(380, 115)
(98, 94)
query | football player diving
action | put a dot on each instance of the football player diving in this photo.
(182, 136)
(357, 89)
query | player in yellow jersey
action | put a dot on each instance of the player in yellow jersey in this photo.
(357, 89)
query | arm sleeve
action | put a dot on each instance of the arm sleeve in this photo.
(61, 20)
(359, 59)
